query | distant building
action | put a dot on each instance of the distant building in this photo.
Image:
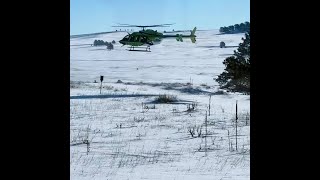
(222, 44)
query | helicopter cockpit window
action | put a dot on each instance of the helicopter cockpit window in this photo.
(126, 38)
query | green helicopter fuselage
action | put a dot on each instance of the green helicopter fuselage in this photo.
(151, 37)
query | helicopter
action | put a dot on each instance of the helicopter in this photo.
(149, 37)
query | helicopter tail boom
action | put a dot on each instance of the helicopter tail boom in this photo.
(179, 37)
(192, 36)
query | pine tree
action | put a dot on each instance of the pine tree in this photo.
(242, 27)
(109, 46)
(237, 27)
(231, 28)
(221, 30)
(236, 76)
(95, 43)
(247, 26)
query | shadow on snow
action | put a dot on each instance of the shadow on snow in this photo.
(111, 96)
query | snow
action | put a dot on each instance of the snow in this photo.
(155, 143)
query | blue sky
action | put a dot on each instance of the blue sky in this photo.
(90, 16)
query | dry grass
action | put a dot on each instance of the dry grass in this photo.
(166, 99)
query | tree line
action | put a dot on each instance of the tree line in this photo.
(104, 43)
(101, 43)
(237, 28)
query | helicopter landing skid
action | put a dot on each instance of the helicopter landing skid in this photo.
(147, 49)
(138, 50)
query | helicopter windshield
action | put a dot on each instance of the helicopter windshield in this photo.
(126, 38)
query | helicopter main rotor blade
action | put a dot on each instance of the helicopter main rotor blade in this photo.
(140, 26)
(145, 25)
(154, 26)
(130, 25)
(123, 26)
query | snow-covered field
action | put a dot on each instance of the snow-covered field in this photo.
(131, 136)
